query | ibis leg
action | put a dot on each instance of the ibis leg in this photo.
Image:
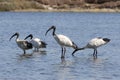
(24, 52)
(94, 53)
(62, 54)
(64, 51)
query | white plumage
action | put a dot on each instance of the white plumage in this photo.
(94, 44)
(23, 44)
(62, 40)
(36, 42)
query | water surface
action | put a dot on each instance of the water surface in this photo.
(47, 65)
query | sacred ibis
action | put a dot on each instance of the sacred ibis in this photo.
(94, 44)
(36, 42)
(62, 40)
(23, 44)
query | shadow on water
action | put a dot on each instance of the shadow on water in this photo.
(25, 56)
(63, 61)
(88, 60)
(31, 55)
(41, 52)
(81, 60)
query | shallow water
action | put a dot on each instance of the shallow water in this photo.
(47, 65)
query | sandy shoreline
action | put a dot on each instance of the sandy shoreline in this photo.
(67, 10)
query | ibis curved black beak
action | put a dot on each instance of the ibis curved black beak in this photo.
(52, 27)
(31, 36)
(74, 52)
(16, 34)
(77, 50)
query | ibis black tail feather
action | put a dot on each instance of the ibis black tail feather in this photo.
(77, 50)
(43, 44)
(29, 45)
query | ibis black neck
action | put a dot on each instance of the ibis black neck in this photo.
(53, 31)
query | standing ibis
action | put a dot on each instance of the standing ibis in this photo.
(23, 44)
(36, 42)
(62, 40)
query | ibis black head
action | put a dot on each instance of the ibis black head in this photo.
(74, 51)
(31, 36)
(106, 39)
(16, 34)
(52, 27)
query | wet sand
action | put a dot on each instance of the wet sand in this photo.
(68, 10)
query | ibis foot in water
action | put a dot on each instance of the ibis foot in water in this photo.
(62, 57)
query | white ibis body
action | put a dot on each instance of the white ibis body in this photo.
(36, 42)
(62, 40)
(94, 44)
(23, 44)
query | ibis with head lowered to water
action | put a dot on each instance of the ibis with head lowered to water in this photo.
(94, 44)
